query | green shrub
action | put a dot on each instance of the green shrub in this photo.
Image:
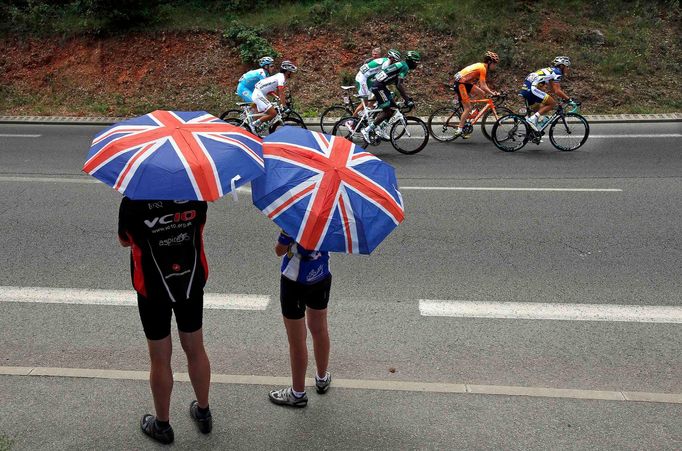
(322, 12)
(251, 45)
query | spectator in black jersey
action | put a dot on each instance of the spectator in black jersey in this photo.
(169, 271)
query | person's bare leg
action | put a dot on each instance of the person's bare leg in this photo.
(198, 365)
(269, 114)
(465, 114)
(298, 351)
(319, 329)
(161, 375)
(548, 106)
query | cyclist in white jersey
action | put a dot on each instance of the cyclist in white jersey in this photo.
(364, 77)
(270, 85)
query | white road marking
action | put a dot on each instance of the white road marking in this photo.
(10, 135)
(359, 384)
(495, 188)
(662, 135)
(47, 179)
(247, 189)
(126, 298)
(566, 312)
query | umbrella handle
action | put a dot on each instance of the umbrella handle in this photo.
(234, 188)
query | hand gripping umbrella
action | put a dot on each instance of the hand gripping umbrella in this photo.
(327, 193)
(173, 155)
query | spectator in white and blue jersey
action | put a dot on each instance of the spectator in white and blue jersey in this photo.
(304, 288)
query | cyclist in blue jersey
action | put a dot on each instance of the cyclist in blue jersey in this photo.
(248, 81)
(549, 77)
(304, 288)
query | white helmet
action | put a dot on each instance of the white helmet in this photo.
(566, 61)
(288, 66)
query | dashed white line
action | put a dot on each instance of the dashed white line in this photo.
(125, 298)
(10, 135)
(556, 311)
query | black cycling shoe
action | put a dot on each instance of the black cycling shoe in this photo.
(149, 427)
(204, 422)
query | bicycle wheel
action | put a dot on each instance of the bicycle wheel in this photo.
(489, 119)
(344, 127)
(296, 117)
(290, 120)
(409, 137)
(331, 116)
(443, 122)
(510, 133)
(569, 132)
(230, 113)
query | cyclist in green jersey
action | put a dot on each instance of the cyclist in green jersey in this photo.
(367, 72)
(393, 74)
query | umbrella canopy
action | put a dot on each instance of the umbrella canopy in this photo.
(174, 155)
(327, 193)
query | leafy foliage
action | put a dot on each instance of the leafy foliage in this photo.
(249, 41)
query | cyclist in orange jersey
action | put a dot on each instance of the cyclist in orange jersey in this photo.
(473, 79)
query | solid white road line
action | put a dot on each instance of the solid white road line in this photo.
(10, 135)
(566, 312)
(126, 298)
(387, 385)
(247, 189)
(489, 188)
(662, 135)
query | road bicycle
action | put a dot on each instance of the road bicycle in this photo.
(568, 130)
(247, 117)
(331, 115)
(444, 121)
(238, 113)
(407, 134)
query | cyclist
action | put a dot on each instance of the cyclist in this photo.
(365, 76)
(393, 74)
(534, 95)
(473, 78)
(248, 80)
(270, 85)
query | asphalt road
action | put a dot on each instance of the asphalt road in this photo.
(595, 247)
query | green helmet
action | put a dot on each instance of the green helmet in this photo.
(413, 55)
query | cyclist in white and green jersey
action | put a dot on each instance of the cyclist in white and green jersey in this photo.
(393, 74)
(365, 76)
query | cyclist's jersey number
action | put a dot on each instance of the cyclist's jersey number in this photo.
(251, 78)
(373, 67)
(472, 74)
(392, 73)
(270, 84)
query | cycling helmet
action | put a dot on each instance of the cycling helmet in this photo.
(492, 57)
(265, 61)
(395, 55)
(566, 61)
(414, 55)
(288, 66)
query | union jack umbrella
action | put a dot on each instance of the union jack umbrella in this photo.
(327, 193)
(174, 155)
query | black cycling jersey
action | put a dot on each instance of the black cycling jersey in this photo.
(167, 253)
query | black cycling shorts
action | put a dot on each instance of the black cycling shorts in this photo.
(156, 315)
(383, 96)
(296, 296)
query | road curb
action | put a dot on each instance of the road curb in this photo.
(104, 120)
